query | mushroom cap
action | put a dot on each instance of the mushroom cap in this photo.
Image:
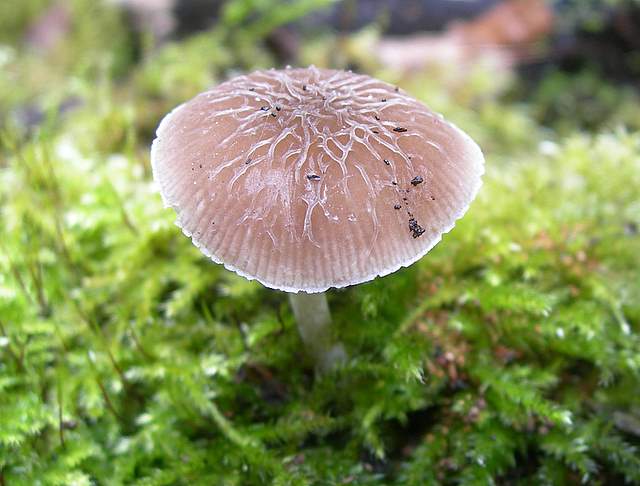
(306, 179)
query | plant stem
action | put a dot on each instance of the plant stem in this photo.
(314, 324)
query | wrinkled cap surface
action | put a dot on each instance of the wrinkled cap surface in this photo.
(306, 179)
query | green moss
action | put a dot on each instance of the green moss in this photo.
(509, 354)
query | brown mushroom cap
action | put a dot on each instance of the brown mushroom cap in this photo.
(306, 179)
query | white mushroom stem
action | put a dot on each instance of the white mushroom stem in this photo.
(314, 324)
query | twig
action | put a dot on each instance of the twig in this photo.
(60, 428)
(139, 344)
(98, 332)
(123, 211)
(107, 400)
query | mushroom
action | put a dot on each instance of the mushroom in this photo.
(306, 179)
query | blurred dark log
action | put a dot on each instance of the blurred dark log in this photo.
(401, 17)
(513, 25)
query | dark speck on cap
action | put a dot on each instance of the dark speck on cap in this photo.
(415, 229)
(417, 180)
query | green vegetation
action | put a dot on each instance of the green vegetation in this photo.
(510, 354)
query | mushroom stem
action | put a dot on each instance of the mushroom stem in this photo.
(314, 324)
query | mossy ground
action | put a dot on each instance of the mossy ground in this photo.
(510, 354)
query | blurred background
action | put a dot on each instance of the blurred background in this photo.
(576, 61)
(510, 354)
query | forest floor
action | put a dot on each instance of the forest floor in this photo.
(510, 354)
